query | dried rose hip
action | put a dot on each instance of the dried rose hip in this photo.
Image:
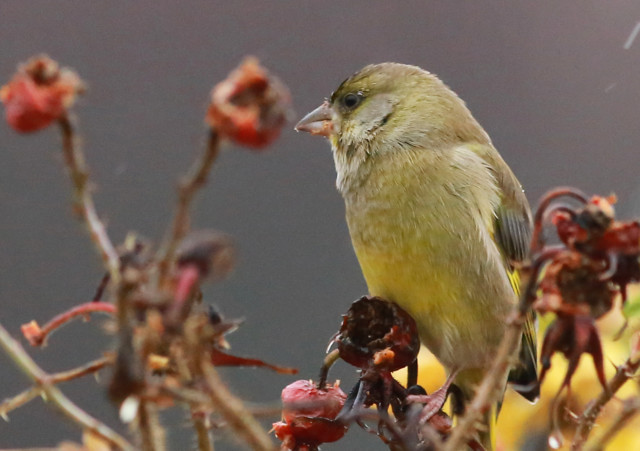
(308, 413)
(250, 106)
(39, 93)
(378, 333)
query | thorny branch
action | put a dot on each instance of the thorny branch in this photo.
(490, 389)
(238, 417)
(83, 200)
(200, 423)
(33, 392)
(630, 409)
(152, 296)
(187, 189)
(56, 397)
(587, 419)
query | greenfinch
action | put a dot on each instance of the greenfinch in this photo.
(436, 217)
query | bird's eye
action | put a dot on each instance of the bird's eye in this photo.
(351, 100)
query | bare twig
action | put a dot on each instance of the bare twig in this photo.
(38, 335)
(237, 416)
(18, 400)
(83, 200)
(187, 189)
(590, 414)
(200, 423)
(64, 376)
(81, 371)
(151, 433)
(26, 364)
(491, 387)
(630, 409)
(489, 390)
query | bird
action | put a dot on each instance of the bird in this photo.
(437, 219)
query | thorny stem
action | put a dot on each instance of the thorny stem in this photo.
(590, 414)
(200, 424)
(148, 427)
(62, 318)
(64, 376)
(26, 364)
(187, 189)
(83, 200)
(630, 409)
(237, 416)
(18, 400)
(490, 389)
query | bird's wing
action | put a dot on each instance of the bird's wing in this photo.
(512, 233)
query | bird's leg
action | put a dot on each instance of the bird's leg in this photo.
(433, 403)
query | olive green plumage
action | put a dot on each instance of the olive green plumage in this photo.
(436, 216)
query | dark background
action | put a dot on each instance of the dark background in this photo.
(552, 83)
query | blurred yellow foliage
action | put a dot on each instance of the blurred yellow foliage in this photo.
(526, 426)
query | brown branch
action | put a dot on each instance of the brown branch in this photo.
(630, 409)
(81, 371)
(489, 390)
(22, 398)
(588, 418)
(37, 335)
(151, 433)
(237, 416)
(187, 189)
(26, 364)
(18, 400)
(83, 200)
(200, 423)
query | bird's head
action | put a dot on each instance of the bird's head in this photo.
(389, 107)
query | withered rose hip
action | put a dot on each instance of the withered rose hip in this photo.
(39, 93)
(378, 333)
(250, 106)
(308, 414)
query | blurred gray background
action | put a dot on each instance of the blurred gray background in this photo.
(556, 85)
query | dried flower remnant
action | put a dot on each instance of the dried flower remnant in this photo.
(377, 333)
(39, 93)
(308, 415)
(211, 252)
(220, 327)
(202, 254)
(572, 335)
(581, 279)
(168, 343)
(250, 107)
(378, 337)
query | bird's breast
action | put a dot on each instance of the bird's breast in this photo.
(422, 236)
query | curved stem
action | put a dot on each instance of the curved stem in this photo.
(543, 205)
(37, 336)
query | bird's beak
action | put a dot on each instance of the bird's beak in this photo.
(318, 122)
